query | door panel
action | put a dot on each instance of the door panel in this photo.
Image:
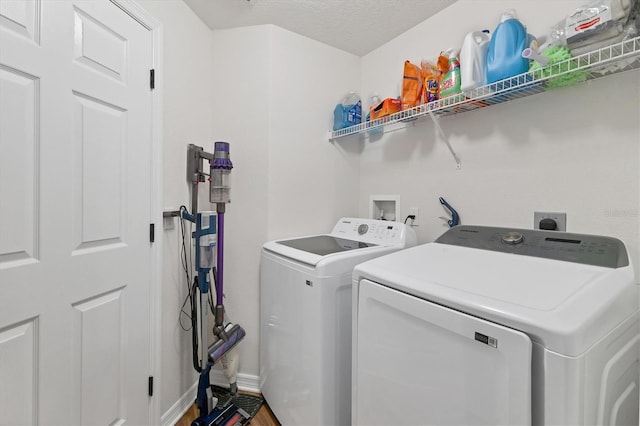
(99, 178)
(75, 191)
(99, 47)
(422, 363)
(18, 352)
(98, 340)
(21, 17)
(19, 147)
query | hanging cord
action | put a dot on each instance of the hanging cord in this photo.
(192, 293)
(192, 314)
(194, 330)
(186, 264)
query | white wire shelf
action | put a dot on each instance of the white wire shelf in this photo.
(610, 60)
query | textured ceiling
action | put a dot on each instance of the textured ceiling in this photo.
(356, 26)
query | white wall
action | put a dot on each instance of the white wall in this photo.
(311, 182)
(273, 96)
(187, 119)
(241, 94)
(573, 150)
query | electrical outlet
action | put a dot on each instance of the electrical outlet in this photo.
(415, 212)
(559, 218)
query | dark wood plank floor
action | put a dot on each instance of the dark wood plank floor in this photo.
(264, 416)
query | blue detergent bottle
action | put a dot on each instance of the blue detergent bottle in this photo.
(504, 56)
(348, 112)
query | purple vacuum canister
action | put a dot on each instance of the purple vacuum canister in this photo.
(221, 166)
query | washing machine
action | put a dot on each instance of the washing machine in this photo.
(305, 317)
(497, 326)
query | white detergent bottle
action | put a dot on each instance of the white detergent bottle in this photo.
(473, 56)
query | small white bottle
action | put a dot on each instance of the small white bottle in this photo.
(473, 56)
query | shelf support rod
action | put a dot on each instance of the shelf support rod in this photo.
(445, 139)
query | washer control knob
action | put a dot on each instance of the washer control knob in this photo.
(512, 238)
(362, 229)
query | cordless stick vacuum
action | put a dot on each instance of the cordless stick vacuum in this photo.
(226, 336)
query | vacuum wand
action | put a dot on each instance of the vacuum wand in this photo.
(220, 194)
(230, 335)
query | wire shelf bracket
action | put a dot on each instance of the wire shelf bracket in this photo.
(444, 137)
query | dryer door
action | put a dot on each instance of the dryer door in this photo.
(416, 362)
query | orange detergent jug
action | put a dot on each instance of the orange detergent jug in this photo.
(411, 86)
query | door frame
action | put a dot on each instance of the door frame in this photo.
(148, 21)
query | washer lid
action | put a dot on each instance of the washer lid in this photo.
(351, 238)
(316, 249)
(564, 305)
(324, 244)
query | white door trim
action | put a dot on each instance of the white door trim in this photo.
(155, 215)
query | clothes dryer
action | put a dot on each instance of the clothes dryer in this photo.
(305, 317)
(497, 326)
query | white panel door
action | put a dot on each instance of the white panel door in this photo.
(75, 191)
(419, 363)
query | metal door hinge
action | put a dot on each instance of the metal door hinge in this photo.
(152, 232)
(150, 385)
(152, 79)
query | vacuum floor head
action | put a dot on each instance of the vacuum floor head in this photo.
(234, 334)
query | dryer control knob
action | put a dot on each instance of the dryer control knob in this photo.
(362, 229)
(512, 238)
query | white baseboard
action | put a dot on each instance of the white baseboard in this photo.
(246, 382)
(180, 407)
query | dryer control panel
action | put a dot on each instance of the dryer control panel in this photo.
(578, 248)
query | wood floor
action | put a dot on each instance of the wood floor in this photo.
(264, 416)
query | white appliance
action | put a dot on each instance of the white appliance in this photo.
(497, 326)
(305, 317)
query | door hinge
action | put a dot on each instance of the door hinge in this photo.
(150, 385)
(152, 79)
(152, 232)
